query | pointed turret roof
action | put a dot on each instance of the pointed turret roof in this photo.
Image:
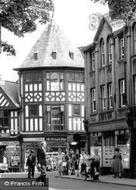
(53, 49)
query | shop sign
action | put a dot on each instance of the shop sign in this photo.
(56, 139)
(33, 139)
(108, 152)
(11, 143)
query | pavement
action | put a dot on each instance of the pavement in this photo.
(106, 179)
(103, 179)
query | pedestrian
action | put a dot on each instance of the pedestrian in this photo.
(31, 162)
(67, 161)
(73, 162)
(96, 160)
(82, 163)
(117, 167)
(77, 163)
(59, 162)
(42, 177)
(41, 155)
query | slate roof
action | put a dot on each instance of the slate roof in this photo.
(51, 40)
(11, 90)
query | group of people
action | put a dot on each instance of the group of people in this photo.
(70, 162)
(38, 159)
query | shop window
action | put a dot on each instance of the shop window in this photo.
(109, 139)
(96, 141)
(93, 99)
(123, 139)
(33, 110)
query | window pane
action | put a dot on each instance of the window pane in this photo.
(76, 109)
(55, 81)
(33, 110)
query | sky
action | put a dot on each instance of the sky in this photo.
(71, 15)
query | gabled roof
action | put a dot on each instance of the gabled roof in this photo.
(10, 93)
(51, 40)
(102, 22)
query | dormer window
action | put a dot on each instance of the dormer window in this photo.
(71, 55)
(35, 56)
(54, 55)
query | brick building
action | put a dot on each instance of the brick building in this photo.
(110, 78)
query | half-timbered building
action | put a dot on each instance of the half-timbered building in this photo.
(51, 83)
(9, 125)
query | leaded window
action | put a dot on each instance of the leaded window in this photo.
(55, 117)
(55, 82)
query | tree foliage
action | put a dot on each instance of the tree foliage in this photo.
(123, 9)
(21, 16)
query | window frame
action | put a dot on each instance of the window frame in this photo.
(122, 92)
(122, 47)
(79, 110)
(5, 119)
(50, 120)
(92, 56)
(102, 52)
(49, 82)
(109, 50)
(109, 91)
(31, 111)
(134, 38)
(103, 97)
(93, 99)
(134, 85)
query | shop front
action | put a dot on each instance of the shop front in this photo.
(10, 156)
(105, 142)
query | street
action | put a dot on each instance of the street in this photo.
(56, 183)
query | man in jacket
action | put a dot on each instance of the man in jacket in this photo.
(31, 162)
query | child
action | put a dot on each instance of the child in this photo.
(42, 177)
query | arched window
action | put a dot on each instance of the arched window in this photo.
(102, 53)
(109, 51)
(134, 38)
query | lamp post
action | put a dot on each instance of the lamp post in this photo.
(86, 124)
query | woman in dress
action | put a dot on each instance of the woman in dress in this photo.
(117, 166)
(59, 162)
